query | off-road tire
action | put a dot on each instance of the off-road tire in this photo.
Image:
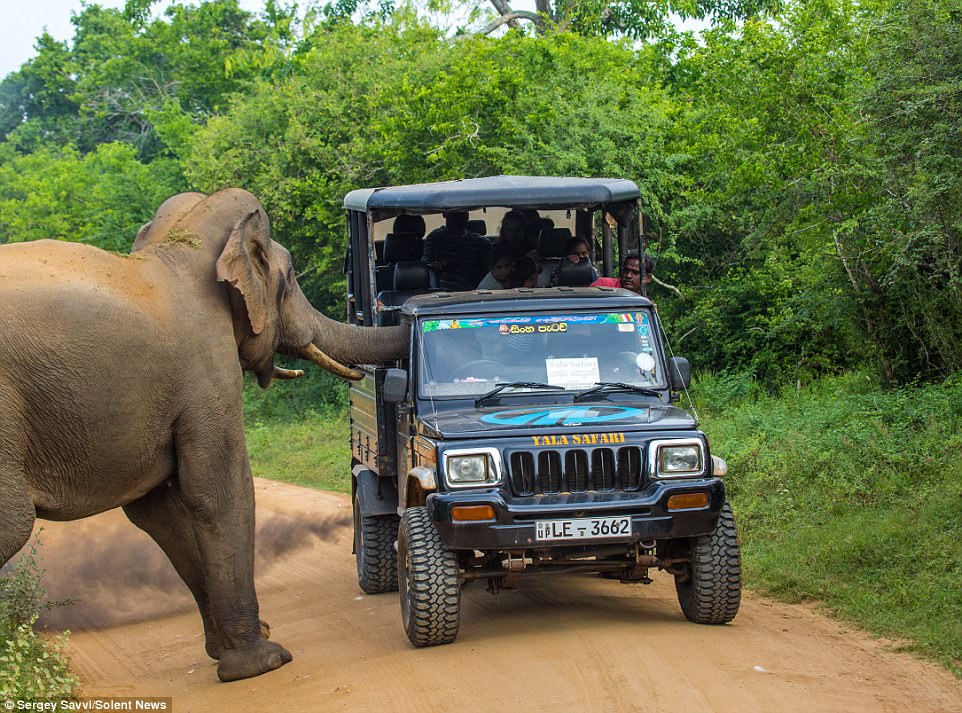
(374, 537)
(428, 580)
(712, 591)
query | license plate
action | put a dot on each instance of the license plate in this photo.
(587, 528)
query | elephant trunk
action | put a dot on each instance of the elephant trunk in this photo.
(335, 344)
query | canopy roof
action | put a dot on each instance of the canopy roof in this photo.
(540, 192)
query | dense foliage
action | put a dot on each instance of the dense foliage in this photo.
(802, 172)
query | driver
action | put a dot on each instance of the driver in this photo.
(630, 274)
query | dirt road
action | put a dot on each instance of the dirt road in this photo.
(555, 644)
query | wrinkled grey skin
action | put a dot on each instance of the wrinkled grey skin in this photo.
(121, 385)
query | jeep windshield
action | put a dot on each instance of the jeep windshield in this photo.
(575, 351)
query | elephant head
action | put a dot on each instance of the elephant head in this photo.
(270, 312)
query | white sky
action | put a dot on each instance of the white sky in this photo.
(23, 21)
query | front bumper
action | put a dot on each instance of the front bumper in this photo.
(513, 526)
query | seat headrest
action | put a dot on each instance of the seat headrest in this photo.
(414, 275)
(410, 224)
(401, 247)
(477, 226)
(552, 242)
(575, 274)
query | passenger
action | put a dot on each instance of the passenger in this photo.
(457, 255)
(630, 274)
(499, 276)
(532, 227)
(525, 273)
(577, 249)
(511, 236)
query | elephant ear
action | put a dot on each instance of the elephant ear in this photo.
(244, 263)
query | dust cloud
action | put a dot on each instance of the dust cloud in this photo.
(115, 574)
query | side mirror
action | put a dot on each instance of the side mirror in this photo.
(395, 387)
(679, 373)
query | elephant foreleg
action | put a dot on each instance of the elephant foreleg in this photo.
(164, 516)
(218, 492)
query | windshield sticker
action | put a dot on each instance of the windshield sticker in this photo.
(573, 373)
(645, 362)
(533, 328)
(566, 416)
(545, 320)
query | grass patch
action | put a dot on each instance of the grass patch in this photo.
(852, 496)
(314, 451)
(297, 431)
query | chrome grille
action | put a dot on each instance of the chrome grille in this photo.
(575, 470)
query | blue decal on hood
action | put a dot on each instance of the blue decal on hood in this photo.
(569, 416)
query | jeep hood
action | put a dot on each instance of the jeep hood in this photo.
(501, 421)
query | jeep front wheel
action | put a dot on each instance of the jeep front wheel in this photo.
(710, 590)
(374, 537)
(428, 580)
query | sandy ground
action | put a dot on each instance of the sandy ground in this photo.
(558, 643)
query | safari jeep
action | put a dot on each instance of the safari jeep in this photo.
(529, 430)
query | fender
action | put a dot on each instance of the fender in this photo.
(377, 496)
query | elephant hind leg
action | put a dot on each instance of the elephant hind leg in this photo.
(164, 516)
(18, 510)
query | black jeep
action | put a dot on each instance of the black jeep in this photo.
(529, 430)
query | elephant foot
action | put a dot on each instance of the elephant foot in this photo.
(214, 645)
(264, 656)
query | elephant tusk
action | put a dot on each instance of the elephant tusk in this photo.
(315, 355)
(285, 374)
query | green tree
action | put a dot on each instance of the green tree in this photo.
(122, 78)
(765, 148)
(903, 251)
(101, 198)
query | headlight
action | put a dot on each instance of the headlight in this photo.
(676, 459)
(475, 467)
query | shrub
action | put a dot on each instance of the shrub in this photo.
(32, 666)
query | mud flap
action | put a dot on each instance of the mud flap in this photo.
(377, 496)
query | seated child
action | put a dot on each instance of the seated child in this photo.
(499, 277)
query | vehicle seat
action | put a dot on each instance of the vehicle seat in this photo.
(410, 278)
(410, 224)
(398, 247)
(477, 226)
(552, 246)
(574, 274)
(552, 242)
(402, 247)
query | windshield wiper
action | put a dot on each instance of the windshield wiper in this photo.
(614, 387)
(481, 400)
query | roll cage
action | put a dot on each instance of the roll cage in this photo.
(605, 210)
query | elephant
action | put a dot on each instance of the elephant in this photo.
(120, 386)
